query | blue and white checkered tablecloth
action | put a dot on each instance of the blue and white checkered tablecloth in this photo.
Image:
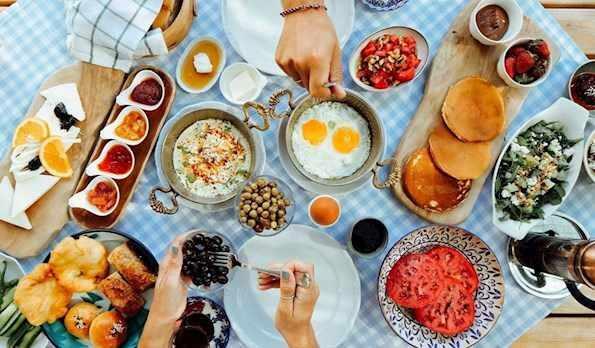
(32, 39)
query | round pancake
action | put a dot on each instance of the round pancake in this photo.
(458, 159)
(428, 187)
(474, 110)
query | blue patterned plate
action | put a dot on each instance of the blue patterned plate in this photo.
(56, 332)
(217, 315)
(489, 298)
(385, 5)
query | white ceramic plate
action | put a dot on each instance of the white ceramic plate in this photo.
(253, 28)
(574, 119)
(301, 180)
(251, 311)
(590, 172)
(13, 271)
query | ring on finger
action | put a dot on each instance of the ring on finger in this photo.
(305, 281)
(329, 84)
(288, 298)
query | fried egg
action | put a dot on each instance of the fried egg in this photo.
(331, 140)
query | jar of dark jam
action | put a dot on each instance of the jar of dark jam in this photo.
(368, 238)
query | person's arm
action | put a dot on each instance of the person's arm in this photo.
(294, 313)
(308, 50)
(169, 300)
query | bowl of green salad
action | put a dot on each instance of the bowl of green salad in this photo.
(538, 167)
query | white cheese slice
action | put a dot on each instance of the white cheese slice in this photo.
(46, 113)
(68, 94)
(242, 86)
(202, 63)
(30, 190)
(7, 194)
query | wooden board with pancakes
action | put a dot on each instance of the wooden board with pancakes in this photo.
(453, 140)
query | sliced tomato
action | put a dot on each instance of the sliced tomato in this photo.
(452, 313)
(415, 281)
(368, 50)
(456, 266)
(405, 75)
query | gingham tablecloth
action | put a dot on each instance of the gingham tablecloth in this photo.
(32, 37)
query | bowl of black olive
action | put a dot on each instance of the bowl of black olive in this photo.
(201, 250)
(265, 206)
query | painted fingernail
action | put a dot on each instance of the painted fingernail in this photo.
(174, 250)
(285, 275)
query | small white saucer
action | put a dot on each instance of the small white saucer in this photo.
(234, 70)
(302, 180)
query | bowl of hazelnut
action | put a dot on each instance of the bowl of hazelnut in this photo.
(265, 206)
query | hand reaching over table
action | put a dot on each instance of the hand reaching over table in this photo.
(308, 49)
(169, 300)
(296, 302)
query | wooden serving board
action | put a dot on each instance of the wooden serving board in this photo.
(142, 152)
(98, 87)
(459, 56)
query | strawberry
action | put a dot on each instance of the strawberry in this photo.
(541, 48)
(509, 64)
(515, 51)
(524, 62)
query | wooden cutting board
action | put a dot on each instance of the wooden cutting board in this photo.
(98, 87)
(459, 56)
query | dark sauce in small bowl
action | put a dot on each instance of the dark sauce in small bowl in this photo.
(582, 90)
(368, 237)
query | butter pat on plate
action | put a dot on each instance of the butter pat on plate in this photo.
(21, 219)
(28, 191)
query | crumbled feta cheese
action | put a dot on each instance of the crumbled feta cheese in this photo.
(511, 187)
(202, 63)
(569, 152)
(548, 183)
(515, 200)
(505, 193)
(555, 147)
(532, 181)
(519, 148)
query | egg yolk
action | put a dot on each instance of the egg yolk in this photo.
(345, 140)
(324, 211)
(314, 132)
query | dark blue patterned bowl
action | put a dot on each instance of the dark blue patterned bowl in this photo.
(489, 297)
(385, 5)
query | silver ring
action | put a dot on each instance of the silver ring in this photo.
(305, 281)
(329, 84)
(288, 298)
(299, 82)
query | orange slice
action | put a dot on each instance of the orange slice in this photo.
(31, 129)
(474, 110)
(458, 159)
(53, 158)
(428, 187)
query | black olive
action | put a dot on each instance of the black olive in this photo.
(34, 164)
(66, 119)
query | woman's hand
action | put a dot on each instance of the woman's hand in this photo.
(296, 303)
(309, 52)
(169, 299)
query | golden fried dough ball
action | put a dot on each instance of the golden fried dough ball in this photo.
(40, 297)
(108, 330)
(78, 319)
(79, 264)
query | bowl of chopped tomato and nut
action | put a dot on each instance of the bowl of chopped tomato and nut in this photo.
(389, 58)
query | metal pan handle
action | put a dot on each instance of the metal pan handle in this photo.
(158, 206)
(268, 112)
(394, 177)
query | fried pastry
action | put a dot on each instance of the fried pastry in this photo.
(428, 187)
(79, 264)
(131, 267)
(122, 296)
(40, 298)
(78, 319)
(456, 158)
(108, 330)
(474, 110)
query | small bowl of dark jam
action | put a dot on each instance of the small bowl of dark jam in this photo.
(203, 324)
(581, 87)
(368, 238)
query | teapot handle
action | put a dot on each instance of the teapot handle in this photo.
(579, 296)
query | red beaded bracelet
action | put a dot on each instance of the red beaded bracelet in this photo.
(300, 8)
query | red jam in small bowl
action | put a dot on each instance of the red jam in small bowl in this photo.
(118, 160)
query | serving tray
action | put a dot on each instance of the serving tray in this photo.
(142, 152)
(98, 87)
(459, 56)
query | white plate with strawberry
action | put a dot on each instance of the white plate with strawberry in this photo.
(527, 62)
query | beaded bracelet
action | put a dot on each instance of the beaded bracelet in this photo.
(300, 8)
